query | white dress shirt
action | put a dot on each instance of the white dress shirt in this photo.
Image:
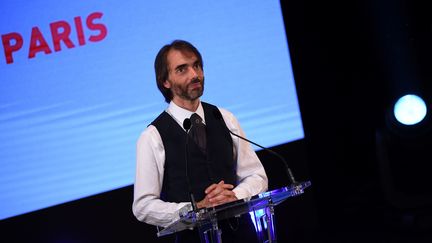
(150, 159)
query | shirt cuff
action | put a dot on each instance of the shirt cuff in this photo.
(241, 193)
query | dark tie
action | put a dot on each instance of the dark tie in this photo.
(198, 132)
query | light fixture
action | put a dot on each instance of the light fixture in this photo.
(410, 109)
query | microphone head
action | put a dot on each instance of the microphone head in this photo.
(187, 124)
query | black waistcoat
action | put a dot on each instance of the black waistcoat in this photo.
(204, 169)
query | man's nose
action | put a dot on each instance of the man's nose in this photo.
(194, 72)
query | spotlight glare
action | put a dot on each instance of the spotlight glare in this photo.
(410, 109)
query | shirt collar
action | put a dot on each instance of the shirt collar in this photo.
(180, 114)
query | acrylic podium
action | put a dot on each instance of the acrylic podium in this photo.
(206, 220)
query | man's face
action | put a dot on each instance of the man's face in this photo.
(185, 75)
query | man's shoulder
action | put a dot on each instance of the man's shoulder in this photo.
(206, 105)
(149, 134)
(223, 111)
(163, 115)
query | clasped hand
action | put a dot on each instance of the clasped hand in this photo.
(217, 194)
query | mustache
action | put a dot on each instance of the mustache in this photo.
(196, 80)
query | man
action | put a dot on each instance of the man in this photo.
(222, 169)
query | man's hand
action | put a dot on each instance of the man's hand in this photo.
(217, 194)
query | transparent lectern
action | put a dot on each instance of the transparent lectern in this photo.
(206, 220)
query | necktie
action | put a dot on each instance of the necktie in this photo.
(198, 132)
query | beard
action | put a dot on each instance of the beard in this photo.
(187, 93)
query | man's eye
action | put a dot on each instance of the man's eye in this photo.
(180, 70)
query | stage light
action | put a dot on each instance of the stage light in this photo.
(410, 109)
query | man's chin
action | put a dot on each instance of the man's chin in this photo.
(195, 94)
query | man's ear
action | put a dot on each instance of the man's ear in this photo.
(167, 84)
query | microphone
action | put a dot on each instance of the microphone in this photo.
(218, 115)
(187, 125)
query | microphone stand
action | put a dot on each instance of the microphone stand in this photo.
(218, 115)
(187, 125)
(289, 172)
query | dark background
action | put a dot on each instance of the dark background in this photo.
(369, 175)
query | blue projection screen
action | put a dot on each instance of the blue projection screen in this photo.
(78, 87)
